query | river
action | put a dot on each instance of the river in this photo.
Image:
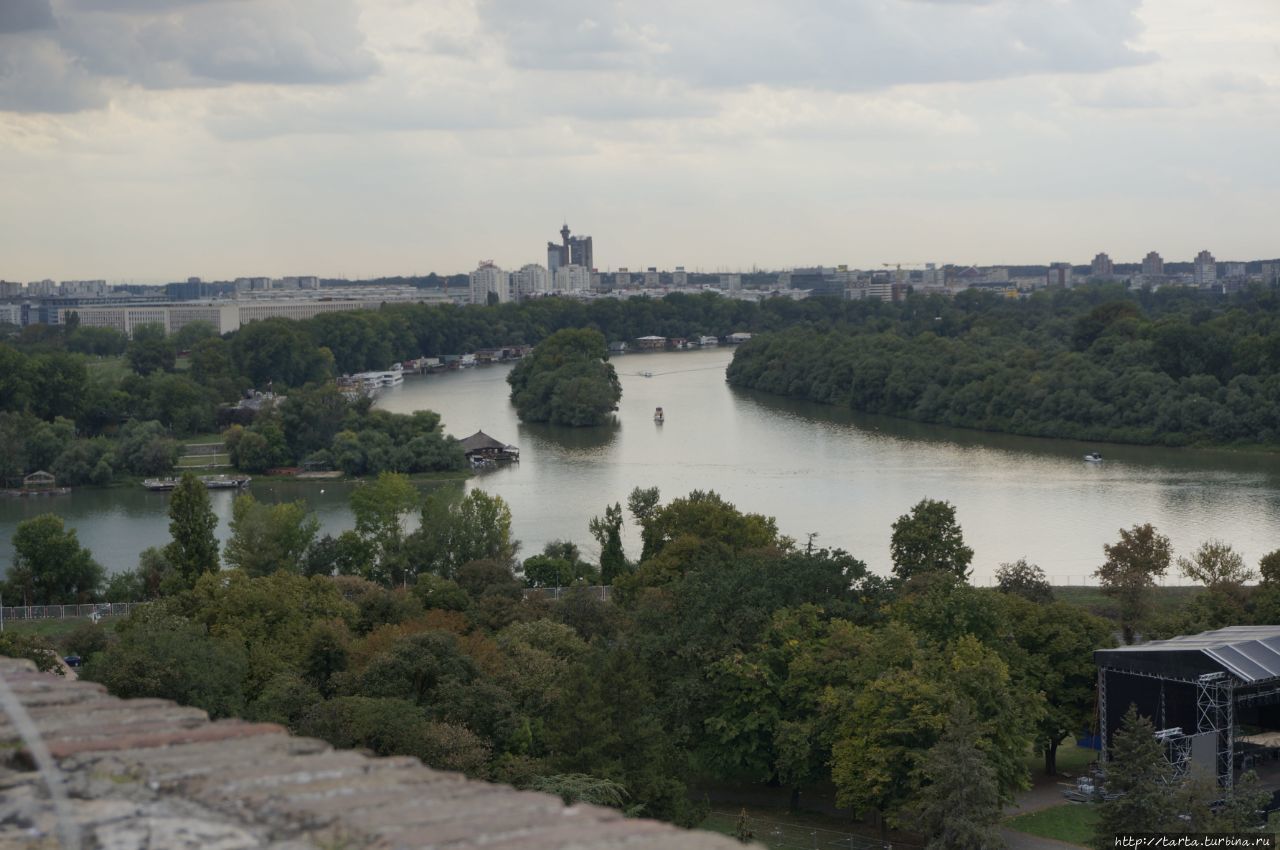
(817, 469)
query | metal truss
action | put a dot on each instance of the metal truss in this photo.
(1215, 709)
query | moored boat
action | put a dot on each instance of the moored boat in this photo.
(659, 416)
(1094, 457)
(211, 482)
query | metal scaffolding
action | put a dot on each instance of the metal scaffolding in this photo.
(1215, 701)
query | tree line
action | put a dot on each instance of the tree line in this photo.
(1097, 363)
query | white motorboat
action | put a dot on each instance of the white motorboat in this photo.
(1094, 457)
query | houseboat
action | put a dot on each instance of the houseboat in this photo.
(211, 482)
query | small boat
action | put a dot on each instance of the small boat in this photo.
(1094, 457)
(646, 374)
(658, 416)
(225, 482)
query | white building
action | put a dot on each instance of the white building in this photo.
(651, 278)
(679, 278)
(489, 278)
(1206, 273)
(622, 279)
(532, 279)
(733, 282)
(573, 278)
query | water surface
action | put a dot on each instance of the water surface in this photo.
(817, 469)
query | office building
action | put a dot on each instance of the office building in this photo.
(1152, 265)
(488, 279)
(1206, 269)
(652, 280)
(572, 250)
(621, 279)
(679, 277)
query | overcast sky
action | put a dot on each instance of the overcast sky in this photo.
(151, 140)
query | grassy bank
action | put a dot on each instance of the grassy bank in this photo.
(1164, 599)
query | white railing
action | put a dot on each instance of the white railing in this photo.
(16, 613)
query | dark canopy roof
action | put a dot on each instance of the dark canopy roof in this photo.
(480, 441)
(1249, 654)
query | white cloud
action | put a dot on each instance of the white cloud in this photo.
(817, 43)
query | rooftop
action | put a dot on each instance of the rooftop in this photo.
(146, 773)
(1249, 654)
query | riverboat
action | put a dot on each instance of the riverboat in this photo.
(659, 416)
(211, 482)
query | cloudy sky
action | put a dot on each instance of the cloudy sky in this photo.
(150, 140)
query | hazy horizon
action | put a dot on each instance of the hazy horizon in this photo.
(148, 140)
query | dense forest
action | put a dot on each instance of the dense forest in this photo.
(1172, 368)
(727, 655)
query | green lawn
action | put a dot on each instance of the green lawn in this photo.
(1070, 822)
(113, 368)
(56, 630)
(1092, 599)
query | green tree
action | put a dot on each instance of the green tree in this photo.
(1138, 783)
(50, 567)
(454, 531)
(960, 802)
(380, 507)
(929, 540)
(643, 502)
(892, 722)
(1269, 568)
(212, 366)
(145, 448)
(266, 538)
(607, 531)
(158, 655)
(566, 380)
(1216, 566)
(150, 351)
(1133, 563)
(1049, 649)
(1024, 579)
(192, 549)
(187, 336)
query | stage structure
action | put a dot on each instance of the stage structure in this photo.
(1197, 690)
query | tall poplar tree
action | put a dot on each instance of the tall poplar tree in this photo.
(193, 549)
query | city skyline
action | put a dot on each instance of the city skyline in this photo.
(149, 142)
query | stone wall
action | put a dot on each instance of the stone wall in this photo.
(146, 773)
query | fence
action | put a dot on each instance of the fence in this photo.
(16, 613)
(599, 591)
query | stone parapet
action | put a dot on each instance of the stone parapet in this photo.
(147, 774)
